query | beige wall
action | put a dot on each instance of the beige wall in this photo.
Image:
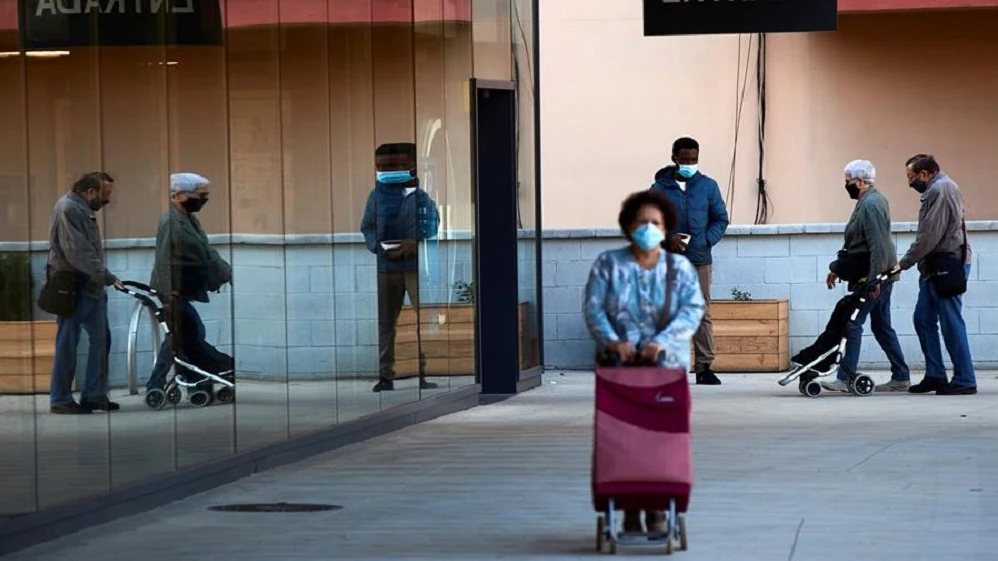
(613, 101)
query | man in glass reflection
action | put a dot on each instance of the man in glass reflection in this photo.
(398, 215)
(185, 270)
(75, 247)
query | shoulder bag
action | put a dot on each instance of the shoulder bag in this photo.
(58, 295)
(947, 272)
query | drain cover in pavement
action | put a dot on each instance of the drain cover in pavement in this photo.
(274, 507)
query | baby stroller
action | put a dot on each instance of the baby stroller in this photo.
(642, 456)
(823, 357)
(195, 380)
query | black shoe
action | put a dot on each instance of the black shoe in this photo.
(706, 377)
(950, 389)
(928, 385)
(384, 386)
(71, 408)
(425, 384)
(632, 522)
(99, 405)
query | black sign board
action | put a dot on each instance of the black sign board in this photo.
(55, 24)
(705, 17)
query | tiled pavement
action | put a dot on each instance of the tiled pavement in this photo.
(779, 476)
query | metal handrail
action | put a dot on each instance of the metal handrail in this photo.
(132, 351)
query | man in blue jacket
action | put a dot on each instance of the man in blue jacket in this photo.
(704, 218)
(397, 217)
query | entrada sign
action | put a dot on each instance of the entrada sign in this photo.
(703, 17)
(48, 24)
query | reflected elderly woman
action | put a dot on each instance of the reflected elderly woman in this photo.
(642, 301)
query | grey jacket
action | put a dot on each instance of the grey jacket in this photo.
(186, 266)
(869, 230)
(75, 245)
(940, 221)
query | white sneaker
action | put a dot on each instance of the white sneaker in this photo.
(894, 386)
(835, 385)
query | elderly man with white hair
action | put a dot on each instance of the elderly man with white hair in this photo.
(186, 269)
(868, 251)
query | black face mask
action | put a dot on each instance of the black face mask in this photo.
(919, 185)
(193, 205)
(853, 190)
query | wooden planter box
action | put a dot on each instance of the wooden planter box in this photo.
(27, 351)
(447, 336)
(751, 336)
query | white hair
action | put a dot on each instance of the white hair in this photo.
(187, 182)
(861, 169)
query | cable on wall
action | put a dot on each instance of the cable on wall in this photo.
(763, 202)
(741, 89)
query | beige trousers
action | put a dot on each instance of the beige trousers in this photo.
(703, 340)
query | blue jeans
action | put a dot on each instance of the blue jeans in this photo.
(879, 310)
(91, 316)
(933, 313)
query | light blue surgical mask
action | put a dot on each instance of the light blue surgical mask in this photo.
(647, 236)
(687, 171)
(394, 177)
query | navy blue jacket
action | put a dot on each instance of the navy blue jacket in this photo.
(391, 215)
(700, 210)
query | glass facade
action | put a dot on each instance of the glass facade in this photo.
(282, 106)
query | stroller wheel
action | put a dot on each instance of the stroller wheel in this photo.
(600, 530)
(812, 389)
(200, 399)
(863, 385)
(173, 395)
(226, 395)
(683, 538)
(156, 399)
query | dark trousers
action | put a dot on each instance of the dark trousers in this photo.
(392, 289)
(188, 342)
(90, 316)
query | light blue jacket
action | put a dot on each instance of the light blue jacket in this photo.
(625, 302)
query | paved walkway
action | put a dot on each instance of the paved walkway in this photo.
(779, 476)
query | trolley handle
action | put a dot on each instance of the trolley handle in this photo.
(126, 287)
(613, 359)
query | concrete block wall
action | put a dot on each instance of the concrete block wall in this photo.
(300, 307)
(785, 261)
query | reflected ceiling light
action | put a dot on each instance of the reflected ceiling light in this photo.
(34, 54)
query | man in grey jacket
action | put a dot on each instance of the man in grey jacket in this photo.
(869, 246)
(75, 247)
(941, 235)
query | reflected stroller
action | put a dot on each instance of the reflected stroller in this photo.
(823, 357)
(196, 380)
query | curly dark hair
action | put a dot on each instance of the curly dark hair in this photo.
(633, 203)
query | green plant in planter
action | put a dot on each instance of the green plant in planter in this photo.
(465, 292)
(15, 287)
(740, 296)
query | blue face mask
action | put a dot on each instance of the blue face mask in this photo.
(394, 177)
(647, 236)
(687, 171)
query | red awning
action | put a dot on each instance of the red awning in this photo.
(245, 13)
(892, 5)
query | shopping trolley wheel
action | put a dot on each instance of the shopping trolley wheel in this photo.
(200, 399)
(812, 389)
(863, 385)
(600, 533)
(155, 399)
(226, 395)
(173, 395)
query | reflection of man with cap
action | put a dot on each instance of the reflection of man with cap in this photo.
(185, 270)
